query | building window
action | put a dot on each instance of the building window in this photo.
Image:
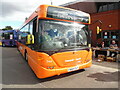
(106, 35)
(100, 9)
(114, 35)
(116, 5)
(109, 6)
(105, 7)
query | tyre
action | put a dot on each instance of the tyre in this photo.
(18, 49)
(3, 44)
(26, 57)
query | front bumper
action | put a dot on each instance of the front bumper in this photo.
(44, 73)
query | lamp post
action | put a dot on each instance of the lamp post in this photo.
(51, 2)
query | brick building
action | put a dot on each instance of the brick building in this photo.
(108, 13)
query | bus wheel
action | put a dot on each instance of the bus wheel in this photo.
(3, 44)
(26, 56)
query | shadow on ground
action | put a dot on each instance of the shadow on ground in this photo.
(15, 70)
(32, 78)
(105, 77)
(62, 75)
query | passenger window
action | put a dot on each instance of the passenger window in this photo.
(31, 27)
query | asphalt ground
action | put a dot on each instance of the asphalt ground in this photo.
(16, 73)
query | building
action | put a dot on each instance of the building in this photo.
(106, 15)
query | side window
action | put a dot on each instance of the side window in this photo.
(31, 27)
(8, 35)
(34, 26)
(11, 35)
(19, 36)
(22, 29)
(3, 35)
(26, 28)
(0, 36)
(24, 32)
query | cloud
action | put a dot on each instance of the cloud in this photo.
(18, 10)
(8, 9)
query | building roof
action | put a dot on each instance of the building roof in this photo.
(89, 6)
(73, 2)
(100, 1)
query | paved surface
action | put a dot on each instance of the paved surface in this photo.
(17, 74)
(106, 63)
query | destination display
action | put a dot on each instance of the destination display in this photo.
(66, 14)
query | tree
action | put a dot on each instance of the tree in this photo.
(7, 28)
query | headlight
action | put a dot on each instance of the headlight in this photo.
(50, 67)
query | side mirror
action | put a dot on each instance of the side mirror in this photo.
(30, 39)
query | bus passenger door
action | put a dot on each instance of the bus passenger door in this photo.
(32, 54)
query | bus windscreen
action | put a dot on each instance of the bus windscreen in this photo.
(58, 35)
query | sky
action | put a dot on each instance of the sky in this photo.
(14, 12)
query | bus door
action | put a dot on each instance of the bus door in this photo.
(31, 52)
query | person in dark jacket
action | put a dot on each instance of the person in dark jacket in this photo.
(97, 52)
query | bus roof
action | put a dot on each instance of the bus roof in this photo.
(42, 11)
(7, 31)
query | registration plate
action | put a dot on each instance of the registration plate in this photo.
(73, 68)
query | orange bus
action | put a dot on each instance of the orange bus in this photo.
(56, 40)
